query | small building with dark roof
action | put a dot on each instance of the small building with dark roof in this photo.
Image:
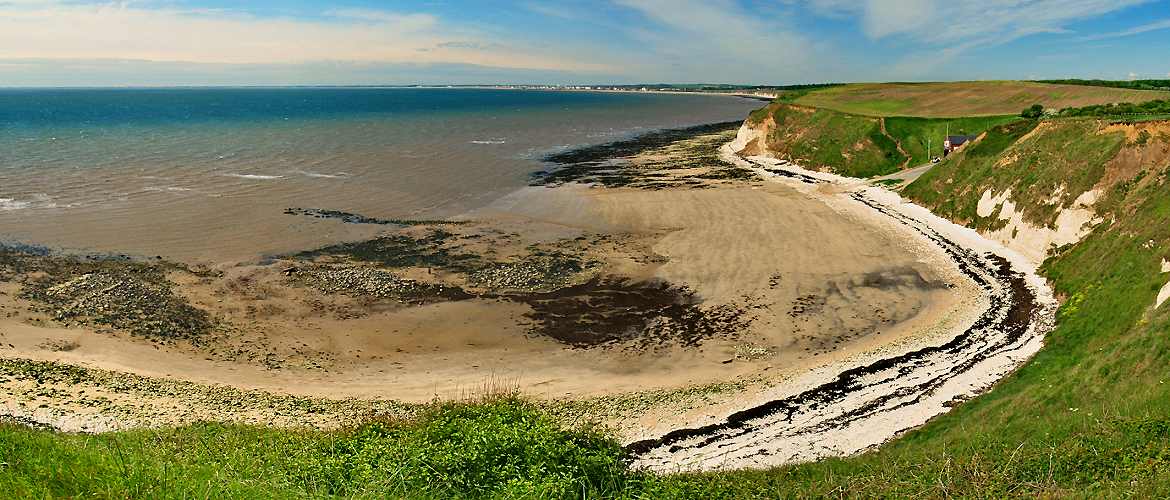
(955, 142)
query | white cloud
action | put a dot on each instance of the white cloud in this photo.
(951, 28)
(408, 22)
(950, 21)
(887, 17)
(36, 29)
(717, 41)
(1137, 30)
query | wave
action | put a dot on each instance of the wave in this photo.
(166, 189)
(8, 204)
(39, 200)
(255, 176)
(338, 175)
(490, 141)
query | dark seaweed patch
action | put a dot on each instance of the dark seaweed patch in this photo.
(400, 250)
(636, 145)
(610, 164)
(352, 218)
(606, 311)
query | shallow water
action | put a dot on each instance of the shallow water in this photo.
(206, 174)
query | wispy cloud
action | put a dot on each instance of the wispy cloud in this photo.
(36, 29)
(590, 41)
(953, 28)
(560, 11)
(711, 39)
(942, 21)
(1137, 30)
(409, 22)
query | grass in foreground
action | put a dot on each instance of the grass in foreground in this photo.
(497, 448)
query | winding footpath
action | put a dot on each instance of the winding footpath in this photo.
(846, 410)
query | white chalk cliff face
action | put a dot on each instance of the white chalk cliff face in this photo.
(1164, 294)
(749, 140)
(1034, 242)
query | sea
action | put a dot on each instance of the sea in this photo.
(207, 174)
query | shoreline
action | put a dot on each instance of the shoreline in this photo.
(837, 412)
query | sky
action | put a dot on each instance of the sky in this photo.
(399, 42)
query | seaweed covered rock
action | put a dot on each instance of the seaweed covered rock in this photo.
(142, 303)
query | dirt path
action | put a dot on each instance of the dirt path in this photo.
(908, 156)
(906, 177)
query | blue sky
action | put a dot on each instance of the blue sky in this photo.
(269, 42)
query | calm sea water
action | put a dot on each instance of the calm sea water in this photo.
(207, 173)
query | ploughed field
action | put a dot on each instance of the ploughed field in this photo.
(966, 99)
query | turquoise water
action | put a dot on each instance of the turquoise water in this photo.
(207, 173)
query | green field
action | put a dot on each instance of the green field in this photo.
(965, 99)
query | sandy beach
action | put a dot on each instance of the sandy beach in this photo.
(671, 289)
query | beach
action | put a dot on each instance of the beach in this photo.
(686, 279)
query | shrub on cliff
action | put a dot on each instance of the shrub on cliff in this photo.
(1033, 112)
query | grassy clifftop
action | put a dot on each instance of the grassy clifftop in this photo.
(858, 145)
(955, 99)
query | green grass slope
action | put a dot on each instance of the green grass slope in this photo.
(860, 146)
(1069, 157)
(823, 139)
(915, 135)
